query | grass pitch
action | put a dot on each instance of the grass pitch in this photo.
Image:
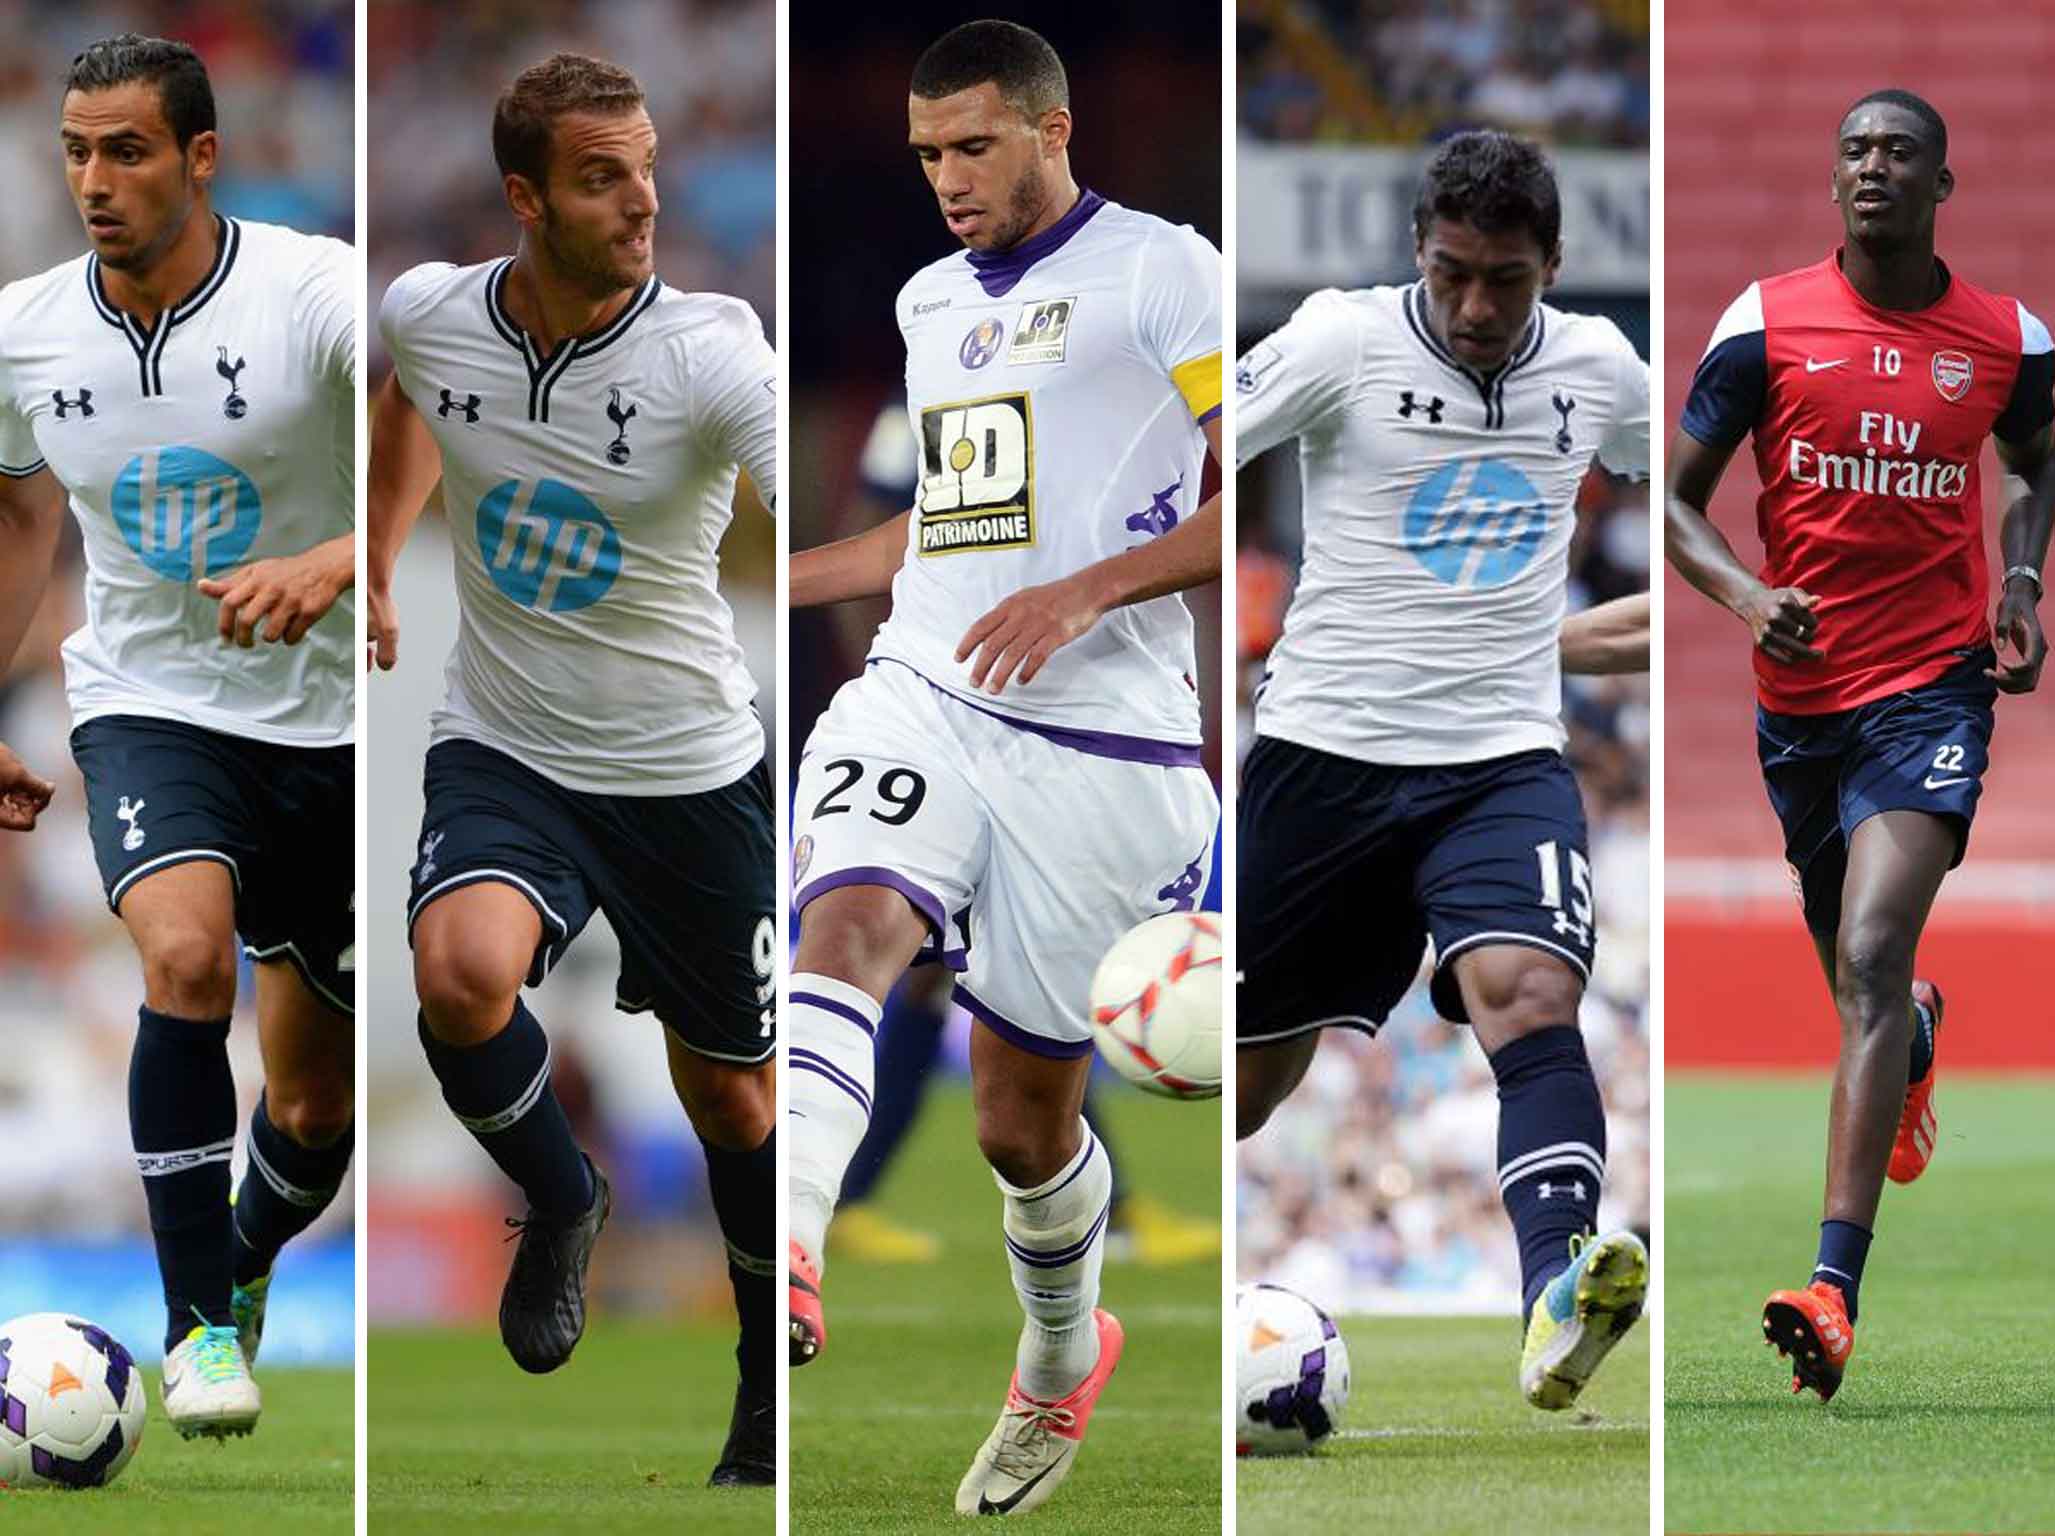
(1437, 1438)
(885, 1423)
(296, 1473)
(619, 1440)
(1944, 1420)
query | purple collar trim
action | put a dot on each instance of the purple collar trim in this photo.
(1126, 749)
(998, 271)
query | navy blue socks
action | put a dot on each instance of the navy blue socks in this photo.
(1551, 1149)
(1843, 1248)
(500, 1092)
(744, 1186)
(285, 1188)
(181, 1116)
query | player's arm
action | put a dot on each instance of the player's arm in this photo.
(31, 515)
(1781, 619)
(2023, 547)
(862, 565)
(1610, 637)
(1022, 631)
(405, 464)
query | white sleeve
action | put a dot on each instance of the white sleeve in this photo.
(1296, 375)
(402, 306)
(1625, 449)
(19, 455)
(327, 317)
(734, 393)
(1177, 314)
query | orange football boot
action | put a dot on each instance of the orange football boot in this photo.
(1917, 1128)
(1811, 1327)
(803, 1306)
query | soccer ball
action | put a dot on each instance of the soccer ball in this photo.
(1291, 1372)
(71, 1403)
(1156, 1005)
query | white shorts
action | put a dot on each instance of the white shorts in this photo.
(1027, 856)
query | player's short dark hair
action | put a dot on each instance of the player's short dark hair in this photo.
(1918, 106)
(527, 110)
(183, 89)
(1495, 183)
(1019, 61)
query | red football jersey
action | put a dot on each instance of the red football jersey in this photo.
(1868, 426)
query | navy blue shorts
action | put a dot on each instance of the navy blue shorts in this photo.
(283, 819)
(688, 883)
(1922, 750)
(1346, 869)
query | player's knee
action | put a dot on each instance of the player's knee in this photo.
(1510, 1001)
(1873, 974)
(733, 1108)
(311, 1116)
(467, 986)
(189, 971)
(1023, 1154)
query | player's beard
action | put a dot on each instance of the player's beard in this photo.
(1023, 206)
(592, 268)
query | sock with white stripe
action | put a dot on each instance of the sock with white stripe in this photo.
(1551, 1149)
(285, 1187)
(744, 1187)
(1056, 1245)
(500, 1092)
(833, 1028)
(1844, 1248)
(181, 1120)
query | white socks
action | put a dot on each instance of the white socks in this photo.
(833, 1030)
(1056, 1244)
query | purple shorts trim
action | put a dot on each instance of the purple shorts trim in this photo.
(1013, 1034)
(924, 901)
(1126, 749)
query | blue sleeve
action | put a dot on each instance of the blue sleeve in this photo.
(1728, 391)
(2031, 407)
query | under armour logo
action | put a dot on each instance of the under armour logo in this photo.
(235, 405)
(83, 404)
(1574, 1190)
(1564, 404)
(468, 405)
(617, 450)
(1433, 408)
(1161, 515)
(134, 837)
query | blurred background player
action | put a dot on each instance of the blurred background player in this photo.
(1143, 1228)
(598, 748)
(1869, 382)
(1377, 1190)
(210, 686)
(1381, 755)
(1028, 583)
(659, 1281)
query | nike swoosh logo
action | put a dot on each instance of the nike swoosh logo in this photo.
(1006, 1506)
(1813, 367)
(1934, 783)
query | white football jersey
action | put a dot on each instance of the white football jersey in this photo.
(587, 492)
(1438, 509)
(223, 436)
(1057, 393)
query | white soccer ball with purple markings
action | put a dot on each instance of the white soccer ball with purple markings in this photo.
(71, 1403)
(1156, 1005)
(1291, 1372)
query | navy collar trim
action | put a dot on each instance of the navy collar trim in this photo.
(545, 369)
(1491, 388)
(148, 342)
(998, 272)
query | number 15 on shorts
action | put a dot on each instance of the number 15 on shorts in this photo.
(1575, 919)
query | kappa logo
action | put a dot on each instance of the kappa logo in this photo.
(135, 836)
(617, 450)
(1183, 892)
(1952, 372)
(1042, 333)
(235, 407)
(1161, 515)
(468, 406)
(83, 404)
